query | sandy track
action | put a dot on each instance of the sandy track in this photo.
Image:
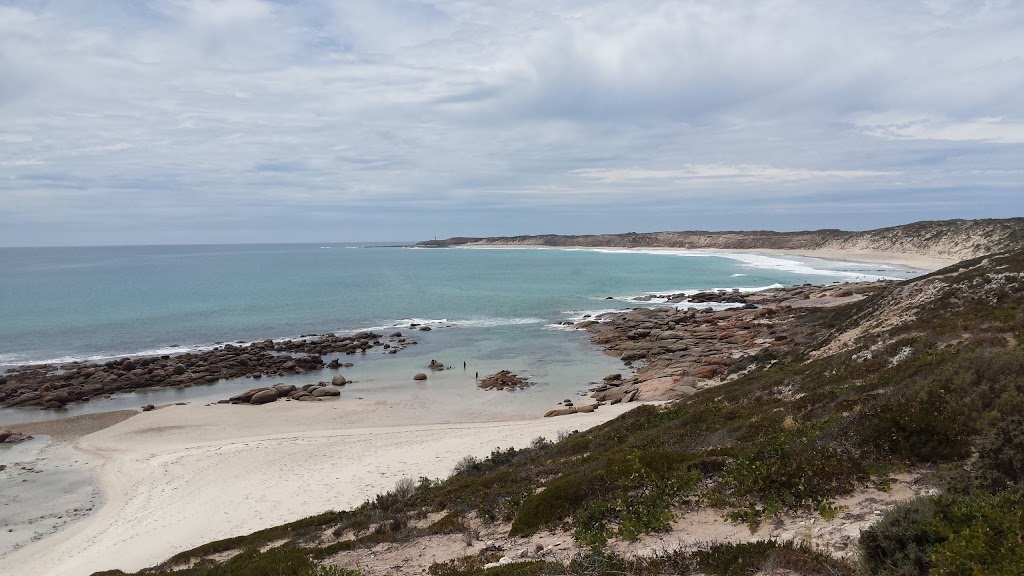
(185, 475)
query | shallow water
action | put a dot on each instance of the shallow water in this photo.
(493, 309)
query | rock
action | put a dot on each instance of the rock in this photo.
(179, 369)
(338, 380)
(425, 328)
(326, 391)
(335, 364)
(504, 380)
(264, 397)
(420, 376)
(308, 398)
(9, 437)
(560, 412)
(284, 389)
(148, 408)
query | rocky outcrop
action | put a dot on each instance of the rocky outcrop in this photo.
(679, 351)
(9, 437)
(504, 380)
(268, 394)
(54, 386)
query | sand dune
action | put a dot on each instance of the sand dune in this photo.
(182, 476)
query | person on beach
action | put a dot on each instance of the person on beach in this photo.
(463, 364)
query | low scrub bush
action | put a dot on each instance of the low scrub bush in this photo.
(789, 470)
(901, 543)
(947, 536)
(625, 495)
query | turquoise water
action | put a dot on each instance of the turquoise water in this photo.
(491, 308)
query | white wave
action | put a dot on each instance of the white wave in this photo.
(581, 315)
(766, 260)
(738, 275)
(472, 322)
(688, 292)
(23, 359)
(804, 267)
(564, 327)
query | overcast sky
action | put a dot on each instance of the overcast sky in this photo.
(193, 121)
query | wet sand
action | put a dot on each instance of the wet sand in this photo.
(46, 485)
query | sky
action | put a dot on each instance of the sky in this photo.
(221, 121)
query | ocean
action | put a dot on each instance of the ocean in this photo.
(490, 308)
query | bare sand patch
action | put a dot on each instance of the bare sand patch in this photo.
(176, 478)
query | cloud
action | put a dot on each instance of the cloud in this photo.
(996, 130)
(214, 112)
(723, 174)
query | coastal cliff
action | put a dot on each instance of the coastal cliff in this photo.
(943, 239)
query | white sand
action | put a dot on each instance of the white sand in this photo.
(927, 263)
(919, 262)
(179, 477)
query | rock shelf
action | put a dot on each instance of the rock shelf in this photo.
(52, 386)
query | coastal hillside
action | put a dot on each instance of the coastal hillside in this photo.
(945, 239)
(886, 440)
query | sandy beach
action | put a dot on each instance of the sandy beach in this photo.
(165, 481)
(178, 477)
(914, 261)
(919, 262)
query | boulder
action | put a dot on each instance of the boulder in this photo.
(284, 389)
(420, 376)
(560, 412)
(247, 395)
(338, 380)
(264, 397)
(326, 391)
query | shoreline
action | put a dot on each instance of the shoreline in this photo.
(160, 471)
(178, 477)
(914, 262)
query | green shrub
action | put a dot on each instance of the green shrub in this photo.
(770, 557)
(450, 523)
(791, 470)
(729, 559)
(1001, 450)
(924, 422)
(901, 543)
(982, 536)
(979, 534)
(635, 492)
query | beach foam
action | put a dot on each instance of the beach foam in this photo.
(766, 262)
